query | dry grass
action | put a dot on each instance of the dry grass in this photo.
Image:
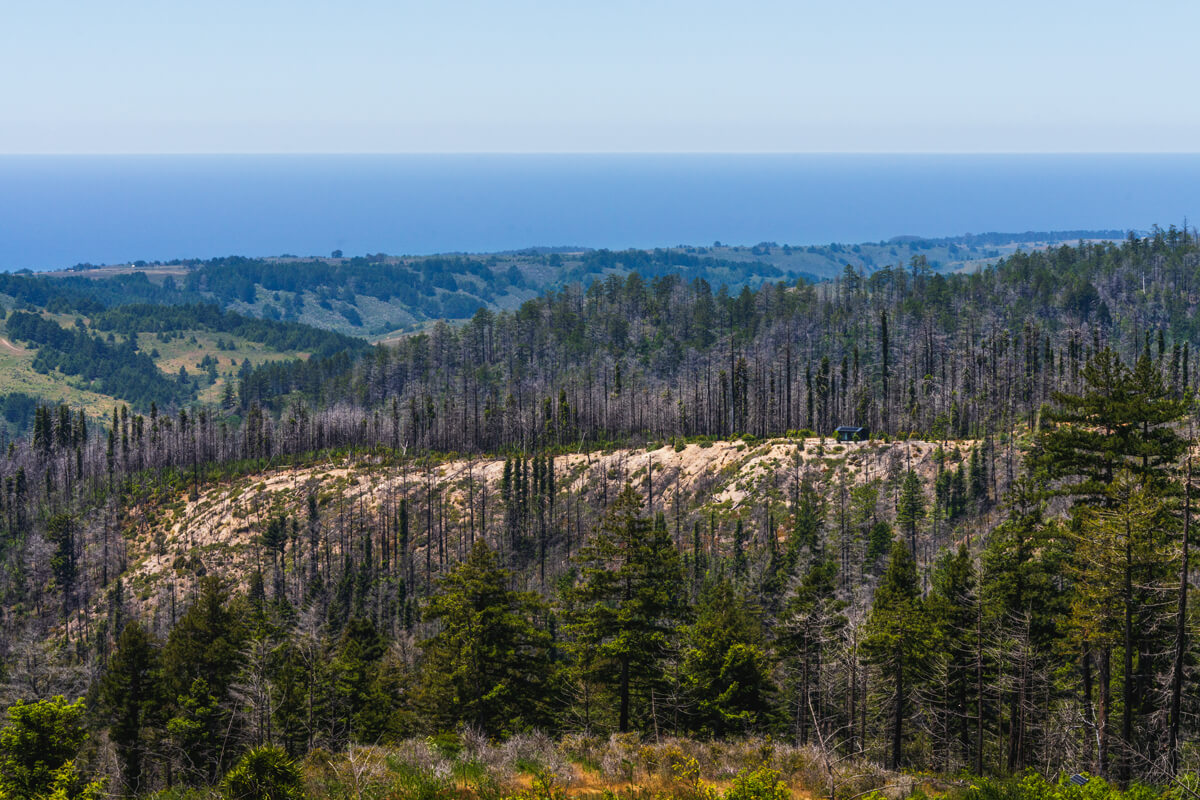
(618, 767)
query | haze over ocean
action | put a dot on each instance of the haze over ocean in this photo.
(56, 211)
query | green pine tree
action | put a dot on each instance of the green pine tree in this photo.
(131, 699)
(726, 672)
(624, 610)
(899, 640)
(200, 660)
(954, 607)
(811, 620)
(910, 508)
(1122, 571)
(1124, 419)
(488, 665)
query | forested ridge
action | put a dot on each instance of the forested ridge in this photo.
(998, 581)
(365, 295)
(378, 294)
(901, 349)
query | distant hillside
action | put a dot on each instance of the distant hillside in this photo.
(379, 295)
(192, 332)
(143, 355)
(968, 252)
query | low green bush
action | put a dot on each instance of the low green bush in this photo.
(264, 773)
(759, 784)
(1036, 787)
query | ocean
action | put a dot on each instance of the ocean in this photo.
(56, 211)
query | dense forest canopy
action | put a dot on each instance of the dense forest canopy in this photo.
(617, 509)
(901, 349)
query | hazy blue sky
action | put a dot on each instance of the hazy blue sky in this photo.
(648, 76)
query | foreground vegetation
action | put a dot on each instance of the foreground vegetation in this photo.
(439, 540)
(535, 767)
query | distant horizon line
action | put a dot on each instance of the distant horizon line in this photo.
(747, 153)
(1058, 235)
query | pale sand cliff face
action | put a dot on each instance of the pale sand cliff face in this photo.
(218, 531)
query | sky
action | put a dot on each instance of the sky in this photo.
(450, 76)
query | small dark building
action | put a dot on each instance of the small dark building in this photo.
(852, 433)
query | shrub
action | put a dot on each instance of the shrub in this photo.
(761, 784)
(544, 787)
(447, 743)
(1035, 787)
(70, 785)
(264, 773)
(37, 746)
(688, 785)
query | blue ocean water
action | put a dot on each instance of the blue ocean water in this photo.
(56, 211)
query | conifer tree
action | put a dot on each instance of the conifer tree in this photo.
(199, 661)
(1123, 420)
(488, 665)
(206, 642)
(1024, 599)
(954, 607)
(899, 639)
(1121, 560)
(625, 606)
(361, 705)
(131, 699)
(811, 619)
(725, 666)
(910, 508)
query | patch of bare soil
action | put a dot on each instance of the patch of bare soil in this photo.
(216, 533)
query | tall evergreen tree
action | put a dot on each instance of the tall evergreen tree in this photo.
(1124, 419)
(1025, 603)
(131, 699)
(812, 617)
(488, 664)
(910, 508)
(899, 639)
(625, 606)
(725, 667)
(199, 662)
(954, 606)
(1122, 573)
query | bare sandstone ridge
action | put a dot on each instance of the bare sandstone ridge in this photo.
(172, 546)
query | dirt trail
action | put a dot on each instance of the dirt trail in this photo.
(10, 347)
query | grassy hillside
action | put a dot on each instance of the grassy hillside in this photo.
(964, 253)
(378, 296)
(199, 363)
